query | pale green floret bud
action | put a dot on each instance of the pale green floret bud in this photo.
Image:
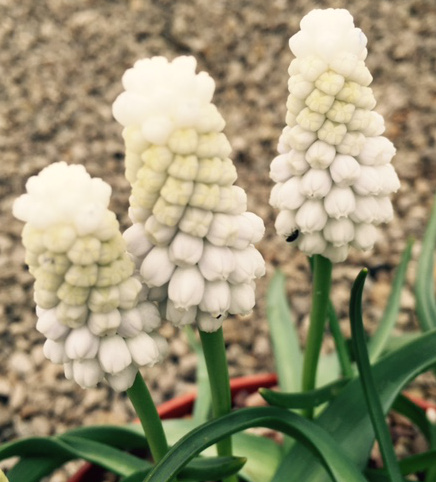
(158, 234)
(59, 238)
(329, 204)
(300, 139)
(103, 324)
(70, 315)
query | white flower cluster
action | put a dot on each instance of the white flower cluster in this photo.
(86, 296)
(333, 173)
(192, 236)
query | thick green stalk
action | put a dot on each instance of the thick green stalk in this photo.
(322, 272)
(147, 413)
(217, 369)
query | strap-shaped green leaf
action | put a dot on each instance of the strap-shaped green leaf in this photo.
(383, 333)
(424, 286)
(312, 398)
(373, 403)
(67, 447)
(201, 469)
(122, 437)
(316, 439)
(284, 336)
(33, 469)
(346, 417)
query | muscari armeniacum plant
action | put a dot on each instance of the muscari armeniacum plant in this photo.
(189, 258)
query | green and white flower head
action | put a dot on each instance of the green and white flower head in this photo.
(333, 173)
(192, 237)
(85, 289)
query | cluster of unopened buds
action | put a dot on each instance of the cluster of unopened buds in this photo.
(333, 174)
(88, 300)
(192, 237)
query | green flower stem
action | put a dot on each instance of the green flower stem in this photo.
(341, 345)
(367, 380)
(216, 363)
(322, 272)
(147, 413)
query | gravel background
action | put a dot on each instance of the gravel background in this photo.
(61, 63)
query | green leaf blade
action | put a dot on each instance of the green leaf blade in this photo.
(383, 333)
(294, 425)
(346, 417)
(284, 336)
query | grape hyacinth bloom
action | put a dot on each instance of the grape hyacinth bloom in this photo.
(333, 173)
(192, 237)
(85, 291)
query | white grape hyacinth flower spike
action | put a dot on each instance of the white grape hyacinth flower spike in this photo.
(192, 237)
(333, 173)
(86, 294)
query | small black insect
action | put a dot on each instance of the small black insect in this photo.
(293, 236)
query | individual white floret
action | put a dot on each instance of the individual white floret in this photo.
(81, 343)
(185, 250)
(216, 298)
(217, 262)
(113, 354)
(242, 299)
(186, 287)
(157, 267)
(87, 373)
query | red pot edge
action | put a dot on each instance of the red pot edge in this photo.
(181, 406)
